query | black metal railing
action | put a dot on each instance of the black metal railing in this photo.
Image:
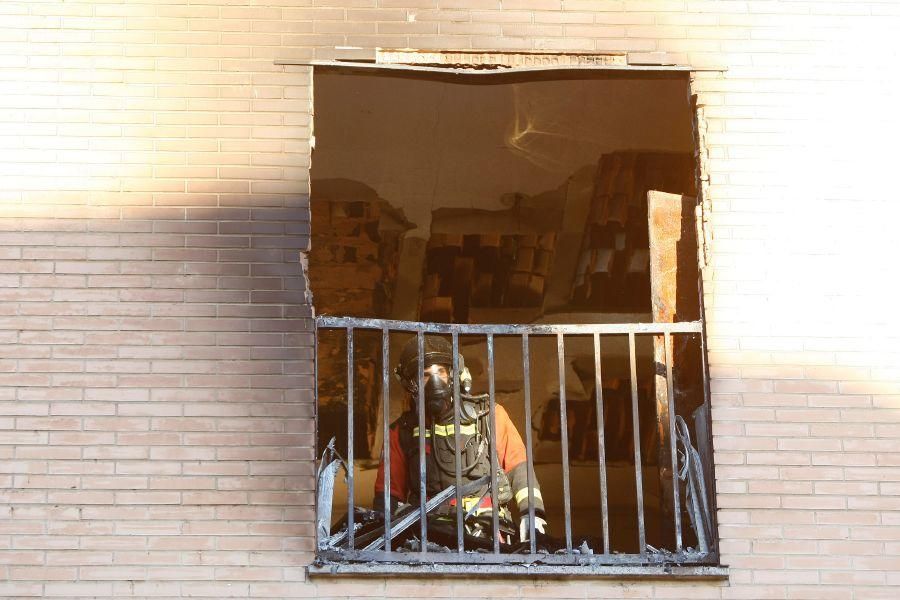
(380, 549)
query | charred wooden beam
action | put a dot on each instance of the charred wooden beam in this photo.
(673, 279)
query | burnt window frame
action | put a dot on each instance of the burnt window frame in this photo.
(357, 562)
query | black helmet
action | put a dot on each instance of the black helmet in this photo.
(438, 351)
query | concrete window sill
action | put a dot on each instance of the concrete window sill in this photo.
(508, 570)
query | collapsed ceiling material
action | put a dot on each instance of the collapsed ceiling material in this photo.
(425, 145)
(506, 160)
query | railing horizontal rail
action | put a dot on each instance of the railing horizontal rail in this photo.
(325, 321)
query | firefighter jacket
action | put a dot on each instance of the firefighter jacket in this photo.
(441, 462)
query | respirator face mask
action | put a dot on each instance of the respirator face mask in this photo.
(438, 395)
(436, 381)
(438, 390)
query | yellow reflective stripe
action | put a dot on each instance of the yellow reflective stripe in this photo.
(448, 430)
(523, 495)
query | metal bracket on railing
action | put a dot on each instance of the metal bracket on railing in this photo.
(328, 467)
(695, 497)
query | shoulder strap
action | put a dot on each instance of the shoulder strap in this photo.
(405, 425)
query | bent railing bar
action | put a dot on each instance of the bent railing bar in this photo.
(410, 518)
(707, 442)
(350, 393)
(670, 388)
(423, 496)
(564, 438)
(601, 443)
(457, 441)
(316, 418)
(500, 329)
(636, 426)
(492, 407)
(386, 432)
(529, 456)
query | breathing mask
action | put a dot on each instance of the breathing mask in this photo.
(438, 378)
(438, 395)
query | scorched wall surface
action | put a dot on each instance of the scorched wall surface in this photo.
(156, 409)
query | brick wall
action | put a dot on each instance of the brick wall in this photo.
(155, 414)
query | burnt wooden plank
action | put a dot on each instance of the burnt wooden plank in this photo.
(673, 283)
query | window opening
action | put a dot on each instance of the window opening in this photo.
(540, 231)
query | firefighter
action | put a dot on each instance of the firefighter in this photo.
(476, 435)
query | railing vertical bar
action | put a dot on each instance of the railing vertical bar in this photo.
(457, 441)
(423, 522)
(350, 398)
(670, 387)
(495, 505)
(316, 414)
(529, 455)
(564, 441)
(601, 443)
(386, 432)
(705, 445)
(636, 425)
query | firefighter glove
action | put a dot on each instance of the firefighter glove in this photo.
(540, 526)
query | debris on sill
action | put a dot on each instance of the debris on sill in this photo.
(415, 545)
(369, 525)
